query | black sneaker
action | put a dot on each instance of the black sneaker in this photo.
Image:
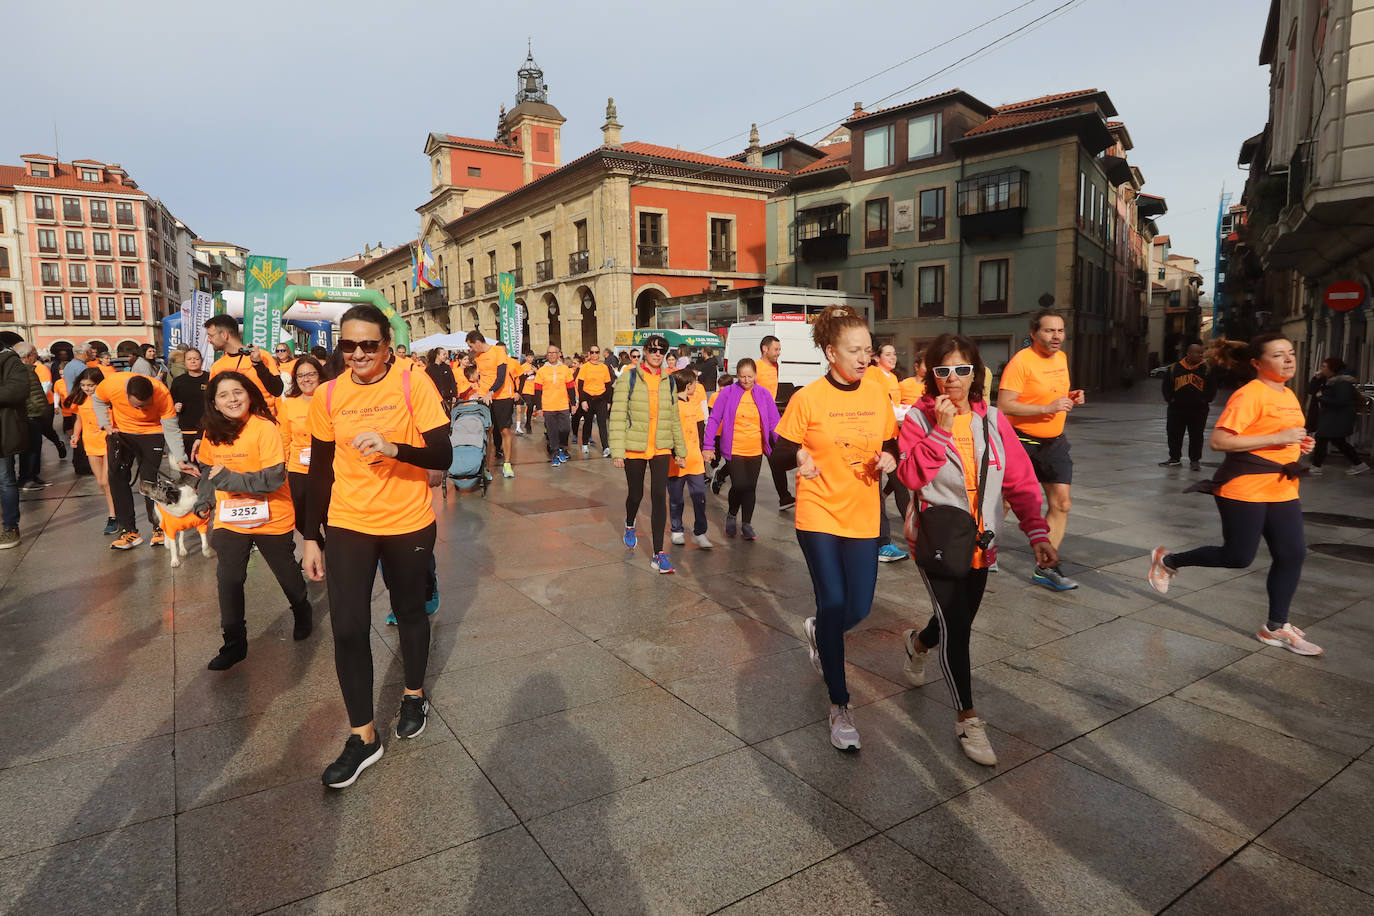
(414, 715)
(1171, 463)
(355, 758)
(31, 486)
(61, 450)
(787, 504)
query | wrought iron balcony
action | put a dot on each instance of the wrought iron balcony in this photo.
(722, 261)
(579, 262)
(543, 270)
(653, 255)
(489, 284)
(469, 289)
(518, 274)
(433, 299)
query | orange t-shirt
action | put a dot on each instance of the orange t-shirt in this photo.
(689, 412)
(1258, 410)
(647, 377)
(748, 438)
(553, 382)
(843, 431)
(144, 421)
(487, 364)
(244, 365)
(962, 434)
(1037, 379)
(911, 390)
(92, 436)
(294, 416)
(766, 374)
(59, 386)
(888, 381)
(257, 447)
(376, 494)
(594, 378)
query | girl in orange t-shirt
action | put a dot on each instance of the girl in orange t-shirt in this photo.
(91, 437)
(243, 477)
(1264, 421)
(692, 475)
(841, 435)
(293, 413)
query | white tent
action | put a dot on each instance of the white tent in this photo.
(447, 341)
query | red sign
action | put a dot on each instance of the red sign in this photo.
(788, 316)
(1344, 296)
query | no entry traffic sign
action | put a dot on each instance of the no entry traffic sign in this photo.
(1344, 295)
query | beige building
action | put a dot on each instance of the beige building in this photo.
(13, 311)
(1175, 301)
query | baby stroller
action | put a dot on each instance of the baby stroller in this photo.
(469, 430)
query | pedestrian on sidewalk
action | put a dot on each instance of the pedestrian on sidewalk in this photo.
(841, 436)
(242, 469)
(1261, 432)
(692, 475)
(767, 369)
(14, 434)
(293, 413)
(883, 373)
(86, 432)
(553, 392)
(646, 434)
(594, 391)
(960, 452)
(141, 411)
(1338, 397)
(1188, 387)
(36, 407)
(496, 389)
(376, 430)
(745, 417)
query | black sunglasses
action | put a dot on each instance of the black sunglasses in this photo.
(368, 346)
(634, 356)
(963, 371)
(655, 349)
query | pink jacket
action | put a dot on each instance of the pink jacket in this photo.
(929, 466)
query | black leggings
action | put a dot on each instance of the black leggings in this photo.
(351, 560)
(598, 406)
(299, 489)
(658, 493)
(744, 482)
(1242, 525)
(1342, 446)
(955, 602)
(231, 571)
(902, 495)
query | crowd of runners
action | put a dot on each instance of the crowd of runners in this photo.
(341, 452)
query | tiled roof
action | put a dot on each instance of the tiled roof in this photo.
(1115, 124)
(836, 155)
(482, 144)
(87, 162)
(10, 175)
(668, 152)
(1014, 119)
(349, 266)
(1159, 239)
(949, 93)
(1046, 99)
(39, 156)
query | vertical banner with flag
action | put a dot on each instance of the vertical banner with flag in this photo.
(511, 318)
(264, 289)
(194, 313)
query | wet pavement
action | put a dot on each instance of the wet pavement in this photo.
(606, 739)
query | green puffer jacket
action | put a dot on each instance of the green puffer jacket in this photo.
(630, 417)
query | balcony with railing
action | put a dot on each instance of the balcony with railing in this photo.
(125, 219)
(543, 270)
(579, 262)
(993, 204)
(823, 232)
(489, 284)
(722, 261)
(433, 299)
(469, 289)
(653, 255)
(518, 275)
(47, 213)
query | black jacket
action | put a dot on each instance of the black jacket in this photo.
(1189, 388)
(14, 399)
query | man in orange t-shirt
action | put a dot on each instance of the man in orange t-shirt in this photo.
(258, 365)
(1036, 398)
(553, 389)
(766, 377)
(594, 382)
(141, 411)
(496, 389)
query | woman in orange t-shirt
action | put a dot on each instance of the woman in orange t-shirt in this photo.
(90, 436)
(293, 412)
(841, 435)
(243, 481)
(1263, 433)
(376, 431)
(746, 419)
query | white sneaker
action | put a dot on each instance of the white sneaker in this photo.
(1314, 471)
(1159, 574)
(915, 667)
(586, 451)
(973, 738)
(679, 538)
(843, 734)
(810, 627)
(1288, 637)
(1357, 470)
(702, 541)
(605, 453)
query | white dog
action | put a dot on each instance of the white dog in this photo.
(175, 501)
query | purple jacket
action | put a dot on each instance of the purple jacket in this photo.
(722, 418)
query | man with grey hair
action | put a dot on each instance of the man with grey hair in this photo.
(14, 434)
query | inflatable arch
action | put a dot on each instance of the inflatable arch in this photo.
(400, 333)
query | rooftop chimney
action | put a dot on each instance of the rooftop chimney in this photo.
(753, 155)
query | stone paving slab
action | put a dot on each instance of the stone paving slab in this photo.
(1330, 831)
(1260, 882)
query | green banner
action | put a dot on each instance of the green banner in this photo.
(263, 288)
(511, 323)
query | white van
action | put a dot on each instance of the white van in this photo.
(800, 363)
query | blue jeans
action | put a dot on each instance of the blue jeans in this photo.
(696, 486)
(9, 495)
(844, 573)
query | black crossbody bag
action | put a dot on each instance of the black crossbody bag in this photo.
(946, 536)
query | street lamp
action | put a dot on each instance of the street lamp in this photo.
(895, 267)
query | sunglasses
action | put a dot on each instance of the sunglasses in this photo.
(634, 356)
(655, 349)
(367, 346)
(589, 352)
(963, 371)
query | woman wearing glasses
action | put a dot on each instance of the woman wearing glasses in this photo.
(646, 433)
(841, 435)
(374, 431)
(594, 387)
(293, 413)
(945, 437)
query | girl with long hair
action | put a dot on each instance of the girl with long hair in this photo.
(293, 413)
(88, 434)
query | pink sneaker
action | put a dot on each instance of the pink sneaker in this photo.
(1288, 637)
(1159, 574)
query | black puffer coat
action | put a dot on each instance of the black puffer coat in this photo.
(14, 399)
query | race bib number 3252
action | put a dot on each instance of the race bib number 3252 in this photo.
(244, 513)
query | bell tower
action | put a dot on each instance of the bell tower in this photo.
(534, 126)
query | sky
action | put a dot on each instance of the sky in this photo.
(297, 129)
